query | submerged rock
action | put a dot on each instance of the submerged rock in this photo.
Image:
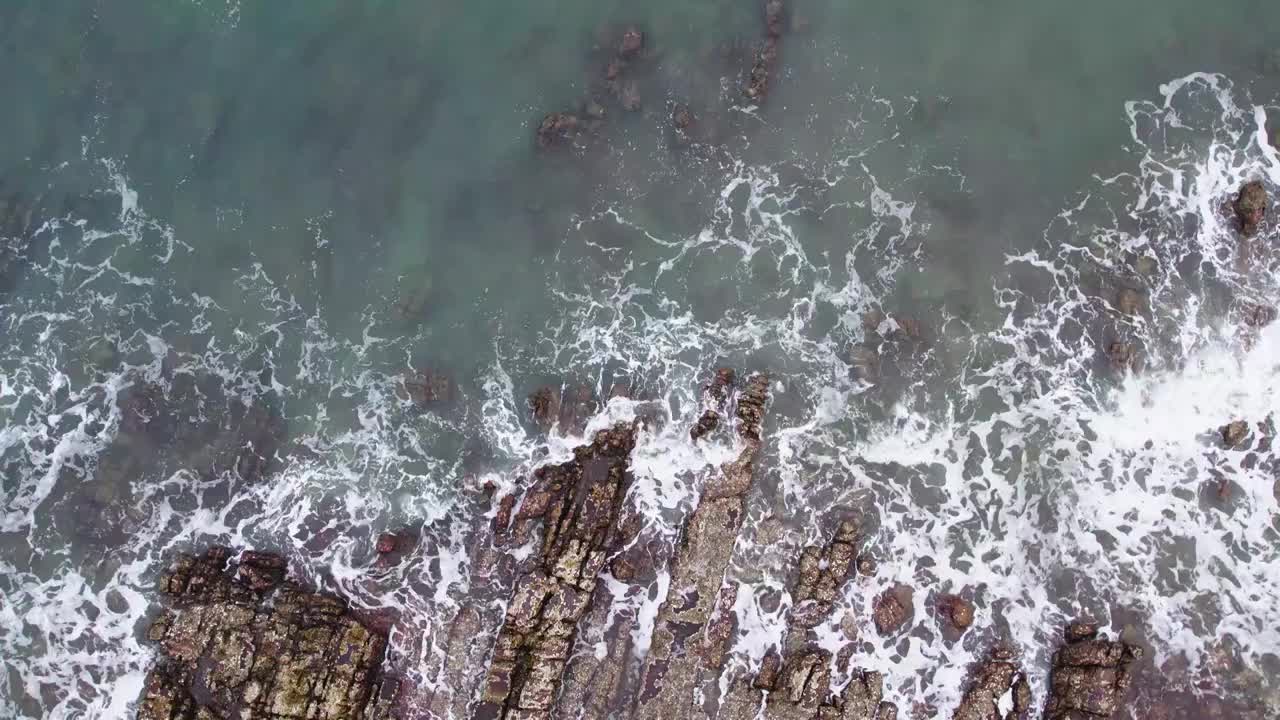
(1251, 206)
(245, 642)
(557, 128)
(1129, 301)
(428, 388)
(1090, 676)
(1123, 356)
(632, 42)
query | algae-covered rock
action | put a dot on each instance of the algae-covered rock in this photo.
(241, 641)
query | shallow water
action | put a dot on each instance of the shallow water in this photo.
(286, 205)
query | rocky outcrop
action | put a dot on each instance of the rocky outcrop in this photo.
(682, 639)
(1251, 206)
(1090, 675)
(999, 678)
(823, 572)
(240, 640)
(579, 504)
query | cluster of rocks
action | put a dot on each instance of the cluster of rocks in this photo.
(999, 677)
(617, 86)
(239, 640)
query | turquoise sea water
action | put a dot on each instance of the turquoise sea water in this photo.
(294, 203)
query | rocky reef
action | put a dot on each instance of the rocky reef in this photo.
(543, 634)
(239, 640)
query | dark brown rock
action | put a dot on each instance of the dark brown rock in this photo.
(1123, 356)
(244, 642)
(1090, 677)
(1258, 316)
(893, 609)
(544, 405)
(705, 425)
(955, 613)
(1251, 206)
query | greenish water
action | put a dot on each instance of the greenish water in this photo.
(299, 201)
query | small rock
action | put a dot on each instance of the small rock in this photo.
(705, 425)
(866, 565)
(956, 610)
(866, 363)
(428, 388)
(556, 128)
(1251, 206)
(1081, 630)
(892, 609)
(1235, 433)
(1122, 355)
(1258, 316)
(544, 405)
(681, 118)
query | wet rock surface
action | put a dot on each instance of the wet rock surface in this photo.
(676, 662)
(1090, 675)
(578, 504)
(999, 678)
(1251, 206)
(240, 640)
